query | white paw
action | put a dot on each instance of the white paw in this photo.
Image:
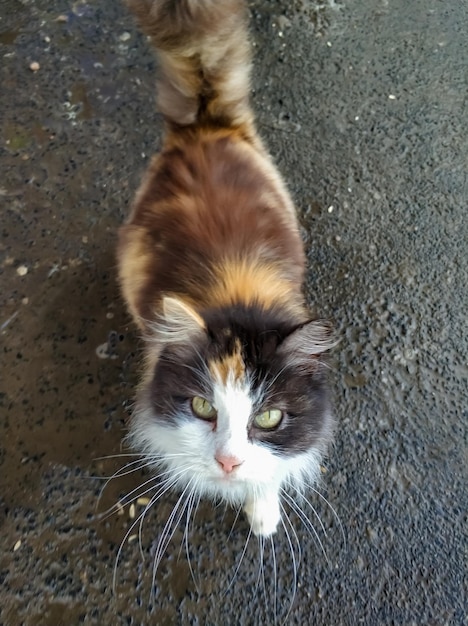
(263, 515)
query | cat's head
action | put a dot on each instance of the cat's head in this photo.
(236, 401)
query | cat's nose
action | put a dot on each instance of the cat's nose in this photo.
(228, 462)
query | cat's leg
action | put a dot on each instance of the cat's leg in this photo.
(263, 513)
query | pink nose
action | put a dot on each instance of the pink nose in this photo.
(227, 462)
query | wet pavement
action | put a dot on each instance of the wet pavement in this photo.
(364, 106)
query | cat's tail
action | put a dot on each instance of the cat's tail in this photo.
(204, 59)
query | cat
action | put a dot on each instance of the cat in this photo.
(233, 402)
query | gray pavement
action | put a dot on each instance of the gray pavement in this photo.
(364, 106)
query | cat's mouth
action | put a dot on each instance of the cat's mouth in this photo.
(228, 478)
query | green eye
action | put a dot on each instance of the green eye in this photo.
(268, 419)
(203, 409)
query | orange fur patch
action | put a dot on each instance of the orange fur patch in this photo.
(134, 255)
(249, 282)
(231, 366)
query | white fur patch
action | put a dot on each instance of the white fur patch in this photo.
(188, 450)
(234, 405)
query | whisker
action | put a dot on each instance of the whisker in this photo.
(293, 557)
(234, 522)
(119, 552)
(156, 477)
(240, 561)
(151, 456)
(167, 534)
(120, 472)
(306, 521)
(140, 527)
(309, 504)
(275, 579)
(139, 464)
(265, 595)
(167, 485)
(261, 547)
(127, 498)
(335, 514)
(132, 526)
(186, 533)
(117, 456)
(137, 493)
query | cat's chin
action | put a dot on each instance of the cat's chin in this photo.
(231, 490)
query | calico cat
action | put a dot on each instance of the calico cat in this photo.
(233, 402)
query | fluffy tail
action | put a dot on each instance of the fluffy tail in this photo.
(204, 59)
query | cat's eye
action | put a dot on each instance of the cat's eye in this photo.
(203, 409)
(268, 419)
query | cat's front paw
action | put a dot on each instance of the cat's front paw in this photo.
(263, 515)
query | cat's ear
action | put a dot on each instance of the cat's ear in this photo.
(308, 342)
(179, 322)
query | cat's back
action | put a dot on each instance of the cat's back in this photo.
(222, 181)
(210, 199)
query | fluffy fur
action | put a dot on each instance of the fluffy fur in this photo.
(211, 266)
